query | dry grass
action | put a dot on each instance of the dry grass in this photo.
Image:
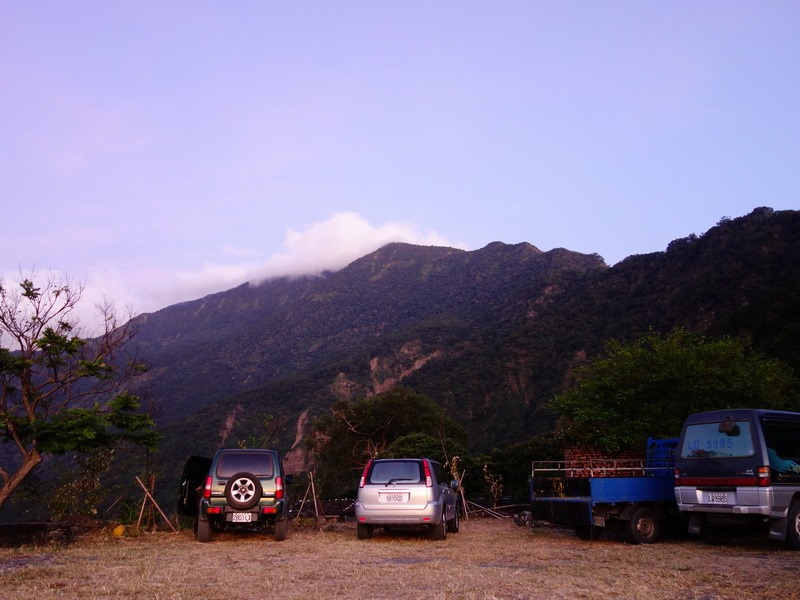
(488, 559)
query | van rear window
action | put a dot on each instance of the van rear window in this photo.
(705, 439)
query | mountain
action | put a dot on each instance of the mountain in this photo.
(491, 335)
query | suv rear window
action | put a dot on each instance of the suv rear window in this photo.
(406, 471)
(705, 439)
(255, 463)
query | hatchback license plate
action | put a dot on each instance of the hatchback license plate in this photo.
(241, 517)
(717, 498)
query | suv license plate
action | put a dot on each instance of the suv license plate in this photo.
(717, 498)
(241, 517)
(393, 497)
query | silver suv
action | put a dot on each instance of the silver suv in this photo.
(406, 492)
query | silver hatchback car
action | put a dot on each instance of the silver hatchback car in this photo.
(406, 492)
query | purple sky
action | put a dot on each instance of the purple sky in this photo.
(166, 150)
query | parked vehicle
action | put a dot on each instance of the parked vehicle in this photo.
(617, 494)
(406, 493)
(741, 467)
(236, 488)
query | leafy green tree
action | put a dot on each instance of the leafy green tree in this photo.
(397, 421)
(647, 387)
(55, 384)
(419, 444)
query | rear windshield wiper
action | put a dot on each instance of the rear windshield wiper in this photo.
(396, 479)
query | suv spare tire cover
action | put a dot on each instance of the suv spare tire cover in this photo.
(243, 491)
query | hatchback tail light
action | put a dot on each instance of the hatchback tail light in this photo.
(278, 487)
(207, 488)
(427, 469)
(363, 481)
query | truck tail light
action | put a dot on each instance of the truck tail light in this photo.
(207, 488)
(427, 469)
(677, 477)
(278, 487)
(764, 479)
(363, 481)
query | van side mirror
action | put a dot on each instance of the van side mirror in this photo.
(454, 484)
(729, 427)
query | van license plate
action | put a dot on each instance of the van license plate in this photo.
(241, 517)
(717, 498)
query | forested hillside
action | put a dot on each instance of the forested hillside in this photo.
(490, 335)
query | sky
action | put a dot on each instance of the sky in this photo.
(162, 151)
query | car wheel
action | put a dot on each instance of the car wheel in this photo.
(364, 531)
(203, 530)
(439, 532)
(243, 491)
(452, 525)
(644, 526)
(793, 531)
(281, 530)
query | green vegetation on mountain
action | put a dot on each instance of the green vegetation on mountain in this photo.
(649, 386)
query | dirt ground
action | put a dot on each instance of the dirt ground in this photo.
(486, 559)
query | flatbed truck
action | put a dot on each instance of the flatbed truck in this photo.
(594, 495)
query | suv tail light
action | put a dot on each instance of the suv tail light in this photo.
(426, 467)
(764, 479)
(207, 488)
(363, 481)
(278, 487)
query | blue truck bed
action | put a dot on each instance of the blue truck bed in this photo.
(586, 494)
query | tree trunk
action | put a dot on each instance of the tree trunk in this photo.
(31, 460)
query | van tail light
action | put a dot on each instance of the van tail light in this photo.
(677, 476)
(207, 488)
(278, 487)
(427, 468)
(764, 479)
(363, 481)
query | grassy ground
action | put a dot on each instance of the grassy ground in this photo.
(487, 559)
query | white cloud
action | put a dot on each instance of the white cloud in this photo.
(333, 244)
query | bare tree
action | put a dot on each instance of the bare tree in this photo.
(56, 386)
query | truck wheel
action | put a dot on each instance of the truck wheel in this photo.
(588, 532)
(281, 530)
(793, 530)
(203, 530)
(644, 526)
(243, 491)
(364, 531)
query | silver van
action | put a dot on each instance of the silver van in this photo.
(741, 467)
(406, 493)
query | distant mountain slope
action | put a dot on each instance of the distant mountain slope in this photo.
(202, 351)
(490, 334)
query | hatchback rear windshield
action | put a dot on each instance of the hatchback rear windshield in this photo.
(400, 471)
(255, 463)
(705, 439)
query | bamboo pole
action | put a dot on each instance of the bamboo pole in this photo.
(153, 500)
